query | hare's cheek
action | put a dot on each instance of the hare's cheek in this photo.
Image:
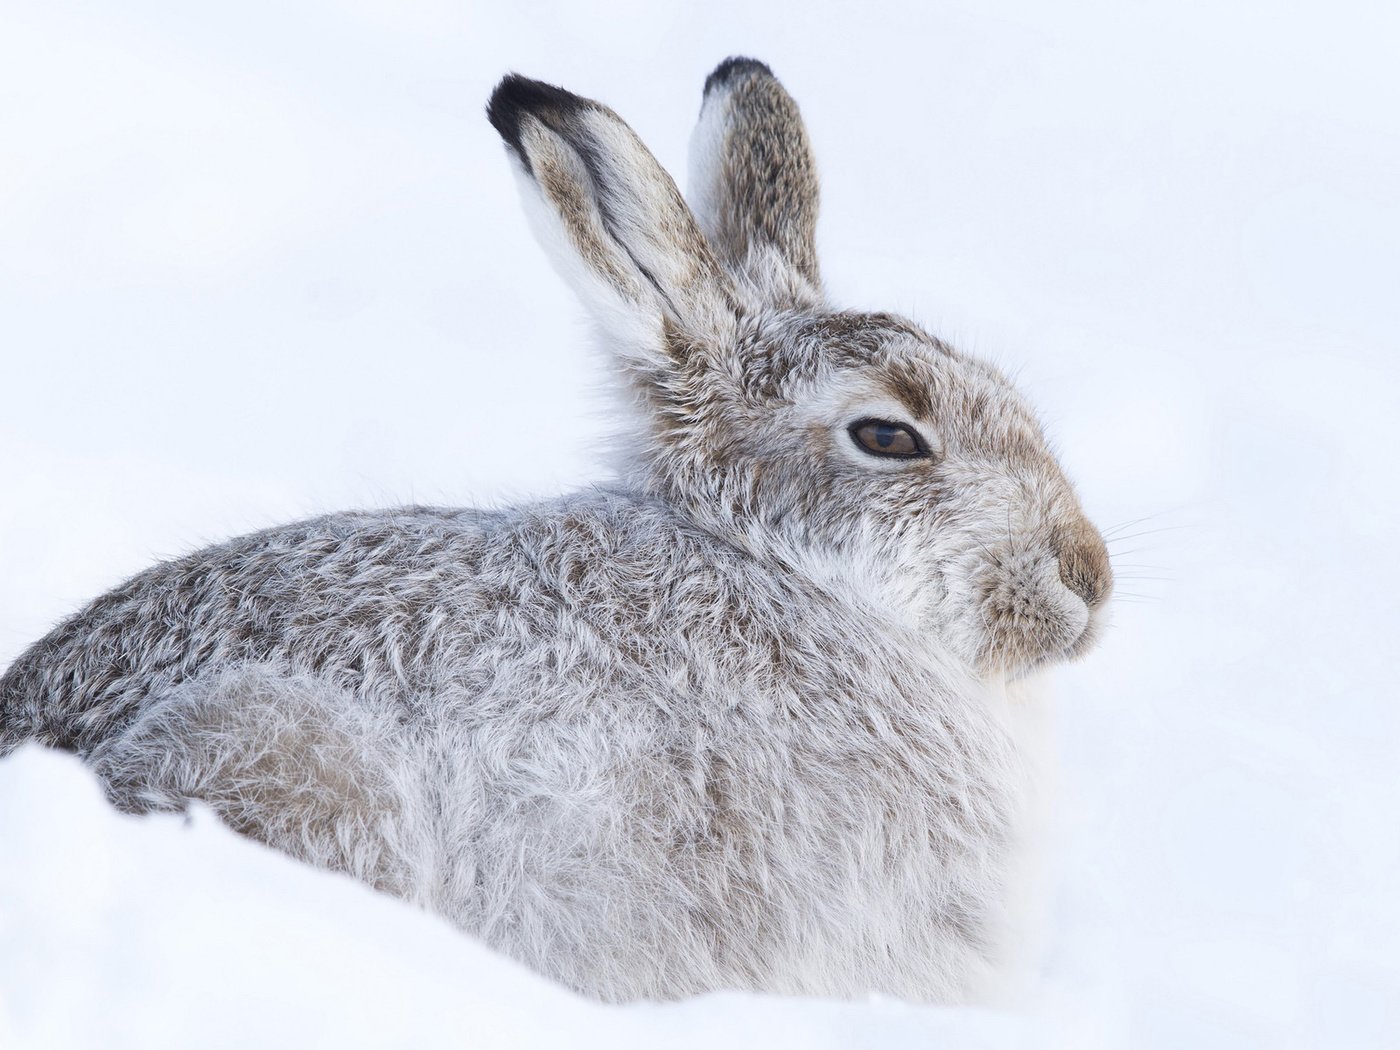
(1029, 616)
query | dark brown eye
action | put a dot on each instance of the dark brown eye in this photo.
(883, 438)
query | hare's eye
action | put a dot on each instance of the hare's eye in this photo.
(883, 438)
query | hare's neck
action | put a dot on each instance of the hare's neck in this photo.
(874, 594)
(856, 580)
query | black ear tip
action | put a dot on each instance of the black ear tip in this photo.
(733, 69)
(516, 96)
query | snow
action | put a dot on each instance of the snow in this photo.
(266, 260)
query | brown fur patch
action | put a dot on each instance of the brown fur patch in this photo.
(910, 386)
(1084, 564)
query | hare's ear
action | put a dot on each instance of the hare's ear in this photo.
(753, 182)
(614, 223)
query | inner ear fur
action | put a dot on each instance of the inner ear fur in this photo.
(612, 218)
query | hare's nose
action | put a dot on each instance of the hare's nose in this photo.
(1083, 558)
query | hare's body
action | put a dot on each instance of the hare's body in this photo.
(661, 769)
(732, 722)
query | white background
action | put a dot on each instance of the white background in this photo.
(263, 260)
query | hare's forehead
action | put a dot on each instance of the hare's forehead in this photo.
(922, 384)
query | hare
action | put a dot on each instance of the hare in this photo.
(735, 720)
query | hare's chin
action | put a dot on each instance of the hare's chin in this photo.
(1016, 658)
(1088, 638)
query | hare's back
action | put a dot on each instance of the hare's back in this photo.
(367, 600)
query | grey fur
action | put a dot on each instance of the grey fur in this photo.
(736, 720)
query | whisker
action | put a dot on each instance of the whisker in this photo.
(1113, 529)
(1147, 532)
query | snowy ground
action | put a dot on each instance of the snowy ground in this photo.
(263, 260)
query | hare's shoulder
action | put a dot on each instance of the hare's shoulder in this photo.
(671, 599)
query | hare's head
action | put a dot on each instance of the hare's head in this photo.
(850, 447)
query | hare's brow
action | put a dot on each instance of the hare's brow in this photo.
(910, 385)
